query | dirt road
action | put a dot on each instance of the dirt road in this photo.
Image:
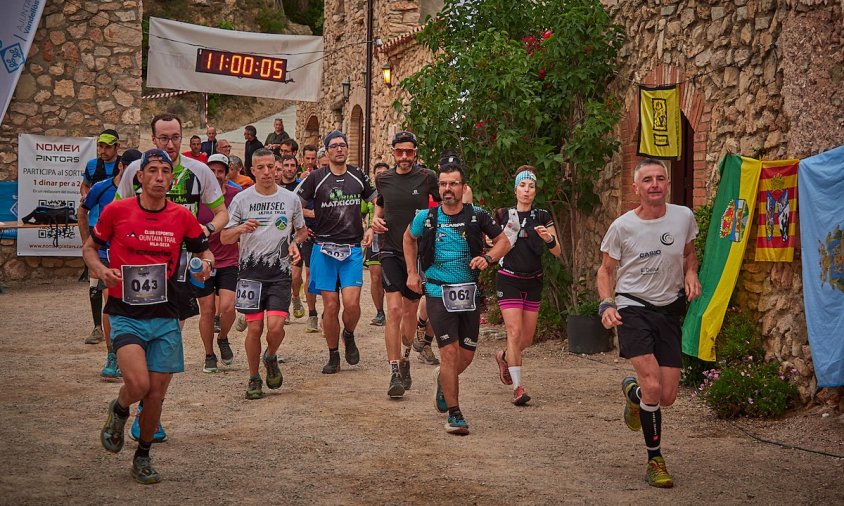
(339, 440)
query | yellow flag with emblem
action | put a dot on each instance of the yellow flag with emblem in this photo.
(660, 131)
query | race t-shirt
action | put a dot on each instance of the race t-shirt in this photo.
(650, 254)
(101, 195)
(401, 195)
(225, 255)
(202, 157)
(90, 176)
(291, 186)
(526, 255)
(451, 251)
(337, 203)
(193, 182)
(141, 237)
(264, 252)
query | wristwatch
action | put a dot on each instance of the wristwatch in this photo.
(488, 259)
(211, 228)
(209, 262)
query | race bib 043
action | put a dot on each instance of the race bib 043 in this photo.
(144, 284)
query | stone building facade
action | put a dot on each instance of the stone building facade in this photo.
(762, 78)
(82, 75)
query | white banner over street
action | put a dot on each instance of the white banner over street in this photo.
(49, 174)
(211, 60)
(17, 30)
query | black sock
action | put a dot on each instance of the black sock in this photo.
(634, 395)
(143, 448)
(120, 410)
(96, 296)
(421, 323)
(429, 339)
(210, 355)
(312, 312)
(651, 418)
(348, 335)
(454, 411)
(333, 351)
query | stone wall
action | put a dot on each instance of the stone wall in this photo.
(82, 75)
(768, 76)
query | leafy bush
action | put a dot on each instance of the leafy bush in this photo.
(755, 389)
(739, 339)
(225, 24)
(693, 370)
(271, 20)
(703, 216)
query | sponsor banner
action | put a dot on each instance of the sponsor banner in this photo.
(17, 30)
(212, 60)
(49, 174)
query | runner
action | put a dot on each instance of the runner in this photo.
(101, 168)
(649, 267)
(287, 168)
(263, 219)
(223, 281)
(193, 182)
(402, 191)
(337, 259)
(372, 257)
(145, 235)
(519, 279)
(195, 151)
(236, 174)
(451, 253)
(309, 159)
(100, 195)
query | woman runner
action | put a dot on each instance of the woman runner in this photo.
(519, 278)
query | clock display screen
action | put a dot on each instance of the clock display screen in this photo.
(252, 66)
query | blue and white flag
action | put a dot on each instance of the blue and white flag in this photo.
(17, 31)
(821, 180)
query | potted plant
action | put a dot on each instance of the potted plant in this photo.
(585, 332)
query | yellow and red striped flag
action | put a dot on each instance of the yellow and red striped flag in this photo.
(776, 231)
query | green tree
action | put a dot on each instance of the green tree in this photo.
(515, 83)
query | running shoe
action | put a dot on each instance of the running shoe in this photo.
(112, 434)
(396, 390)
(312, 327)
(143, 472)
(298, 310)
(657, 475)
(404, 370)
(95, 337)
(135, 432)
(210, 363)
(439, 400)
(240, 323)
(274, 377)
(226, 353)
(503, 370)
(380, 319)
(216, 323)
(425, 353)
(456, 424)
(333, 364)
(631, 409)
(352, 353)
(111, 371)
(253, 391)
(520, 397)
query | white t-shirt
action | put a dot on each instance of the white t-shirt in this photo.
(190, 187)
(650, 254)
(264, 252)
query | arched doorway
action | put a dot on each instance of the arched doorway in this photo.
(312, 131)
(683, 170)
(356, 137)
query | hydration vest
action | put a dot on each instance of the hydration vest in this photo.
(471, 227)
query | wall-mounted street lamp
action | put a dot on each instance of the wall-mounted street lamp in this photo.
(387, 70)
(347, 88)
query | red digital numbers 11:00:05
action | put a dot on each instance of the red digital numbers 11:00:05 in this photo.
(252, 66)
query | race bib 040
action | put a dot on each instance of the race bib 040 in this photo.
(248, 295)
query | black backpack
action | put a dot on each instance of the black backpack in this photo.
(100, 171)
(474, 235)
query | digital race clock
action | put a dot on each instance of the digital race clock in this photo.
(252, 66)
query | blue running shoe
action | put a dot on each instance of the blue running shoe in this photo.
(111, 371)
(439, 400)
(457, 425)
(135, 433)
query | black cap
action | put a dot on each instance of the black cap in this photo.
(129, 156)
(404, 136)
(450, 160)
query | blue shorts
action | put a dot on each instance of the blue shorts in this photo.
(161, 339)
(329, 274)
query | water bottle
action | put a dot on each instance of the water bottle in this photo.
(195, 268)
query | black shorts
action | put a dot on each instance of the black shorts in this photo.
(305, 249)
(394, 275)
(518, 292)
(462, 328)
(645, 332)
(185, 299)
(224, 279)
(371, 257)
(275, 296)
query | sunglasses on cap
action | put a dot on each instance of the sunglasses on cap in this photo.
(404, 136)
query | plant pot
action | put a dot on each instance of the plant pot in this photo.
(587, 335)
